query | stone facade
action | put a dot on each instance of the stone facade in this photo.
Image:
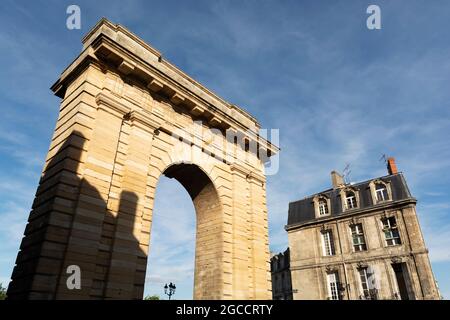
(281, 276)
(127, 116)
(360, 241)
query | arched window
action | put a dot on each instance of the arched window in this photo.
(323, 207)
(350, 200)
(381, 192)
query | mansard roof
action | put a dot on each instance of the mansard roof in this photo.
(302, 211)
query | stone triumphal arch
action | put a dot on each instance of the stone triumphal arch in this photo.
(127, 116)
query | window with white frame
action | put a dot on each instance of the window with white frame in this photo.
(323, 207)
(391, 232)
(333, 285)
(328, 244)
(359, 242)
(381, 192)
(365, 284)
(368, 284)
(350, 200)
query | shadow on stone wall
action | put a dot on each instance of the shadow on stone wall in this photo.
(73, 223)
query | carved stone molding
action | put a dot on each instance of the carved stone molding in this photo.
(324, 228)
(361, 265)
(353, 221)
(398, 259)
(331, 268)
(387, 214)
(256, 177)
(109, 104)
(142, 120)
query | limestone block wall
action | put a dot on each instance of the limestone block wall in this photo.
(309, 266)
(424, 277)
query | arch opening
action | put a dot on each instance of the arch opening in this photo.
(208, 227)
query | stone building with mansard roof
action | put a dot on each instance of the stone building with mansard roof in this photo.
(281, 276)
(359, 241)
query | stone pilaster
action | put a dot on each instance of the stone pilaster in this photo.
(241, 244)
(91, 214)
(259, 241)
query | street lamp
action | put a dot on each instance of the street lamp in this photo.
(170, 289)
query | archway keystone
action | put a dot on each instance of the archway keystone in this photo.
(127, 116)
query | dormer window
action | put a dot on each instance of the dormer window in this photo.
(323, 207)
(350, 200)
(381, 192)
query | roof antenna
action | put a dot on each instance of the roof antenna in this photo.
(383, 157)
(346, 173)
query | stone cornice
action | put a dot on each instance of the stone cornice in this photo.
(109, 104)
(113, 44)
(256, 177)
(357, 260)
(136, 117)
(85, 59)
(345, 215)
(103, 22)
(143, 121)
(112, 30)
(197, 103)
(239, 169)
(109, 50)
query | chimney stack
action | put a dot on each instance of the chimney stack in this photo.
(391, 166)
(336, 179)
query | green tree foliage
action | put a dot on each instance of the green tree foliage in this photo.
(152, 297)
(2, 292)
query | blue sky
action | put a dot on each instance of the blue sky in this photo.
(338, 92)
